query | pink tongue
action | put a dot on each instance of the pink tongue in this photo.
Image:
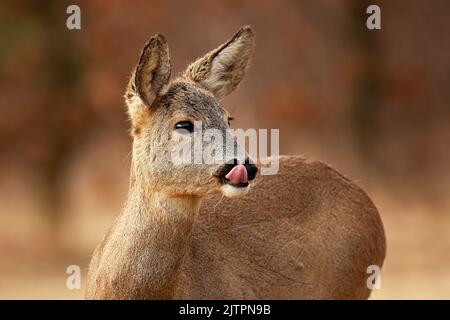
(238, 174)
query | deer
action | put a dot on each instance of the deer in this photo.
(223, 230)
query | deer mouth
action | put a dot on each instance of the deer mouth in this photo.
(236, 185)
(236, 177)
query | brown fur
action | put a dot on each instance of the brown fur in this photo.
(306, 232)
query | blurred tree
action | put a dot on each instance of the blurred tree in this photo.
(59, 115)
(365, 109)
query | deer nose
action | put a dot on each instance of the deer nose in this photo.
(252, 169)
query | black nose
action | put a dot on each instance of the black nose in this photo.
(252, 169)
(249, 165)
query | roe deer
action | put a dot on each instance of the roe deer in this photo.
(306, 232)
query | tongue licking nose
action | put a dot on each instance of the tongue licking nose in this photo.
(238, 174)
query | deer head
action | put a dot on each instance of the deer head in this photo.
(165, 113)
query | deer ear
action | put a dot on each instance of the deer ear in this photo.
(151, 76)
(222, 69)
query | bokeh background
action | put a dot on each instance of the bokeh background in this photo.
(374, 104)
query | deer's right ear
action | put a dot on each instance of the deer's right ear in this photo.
(150, 78)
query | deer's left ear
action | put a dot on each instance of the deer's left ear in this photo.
(148, 81)
(222, 69)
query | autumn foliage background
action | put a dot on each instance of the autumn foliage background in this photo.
(374, 104)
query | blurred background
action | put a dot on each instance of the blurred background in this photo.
(374, 104)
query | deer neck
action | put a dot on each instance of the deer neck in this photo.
(160, 233)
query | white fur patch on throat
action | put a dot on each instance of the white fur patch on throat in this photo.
(233, 192)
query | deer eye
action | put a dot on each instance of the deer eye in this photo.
(185, 125)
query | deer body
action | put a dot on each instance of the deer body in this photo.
(312, 239)
(306, 232)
